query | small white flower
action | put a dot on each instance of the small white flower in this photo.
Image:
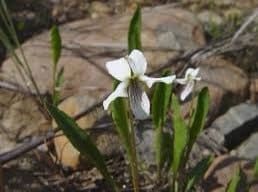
(189, 81)
(130, 71)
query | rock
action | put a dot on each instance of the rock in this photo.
(222, 170)
(220, 73)
(209, 142)
(145, 144)
(248, 149)
(15, 119)
(6, 143)
(20, 119)
(237, 124)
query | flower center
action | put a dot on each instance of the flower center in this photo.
(189, 77)
(135, 92)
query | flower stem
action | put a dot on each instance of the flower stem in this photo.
(133, 163)
(133, 160)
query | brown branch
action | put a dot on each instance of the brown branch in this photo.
(191, 58)
(26, 147)
(9, 86)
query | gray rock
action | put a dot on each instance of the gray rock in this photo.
(248, 149)
(237, 123)
(145, 146)
(209, 142)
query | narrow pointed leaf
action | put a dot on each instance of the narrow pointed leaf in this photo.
(180, 135)
(81, 141)
(199, 116)
(121, 119)
(134, 33)
(234, 183)
(60, 78)
(198, 172)
(56, 44)
(166, 152)
(160, 104)
(58, 84)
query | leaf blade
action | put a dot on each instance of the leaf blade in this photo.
(160, 104)
(121, 119)
(199, 116)
(58, 83)
(56, 44)
(233, 184)
(134, 32)
(81, 141)
(198, 171)
(180, 135)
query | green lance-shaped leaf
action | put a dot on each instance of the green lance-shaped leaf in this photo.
(160, 104)
(121, 119)
(180, 135)
(56, 45)
(166, 155)
(199, 116)
(81, 141)
(234, 183)
(198, 172)
(58, 83)
(160, 101)
(134, 33)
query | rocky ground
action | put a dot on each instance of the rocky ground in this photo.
(94, 32)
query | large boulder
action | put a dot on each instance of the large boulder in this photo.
(248, 148)
(238, 123)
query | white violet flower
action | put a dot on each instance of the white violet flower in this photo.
(189, 81)
(130, 71)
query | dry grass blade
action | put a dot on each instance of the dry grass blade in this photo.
(248, 21)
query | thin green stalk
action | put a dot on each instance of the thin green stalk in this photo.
(54, 83)
(174, 183)
(133, 161)
(133, 155)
